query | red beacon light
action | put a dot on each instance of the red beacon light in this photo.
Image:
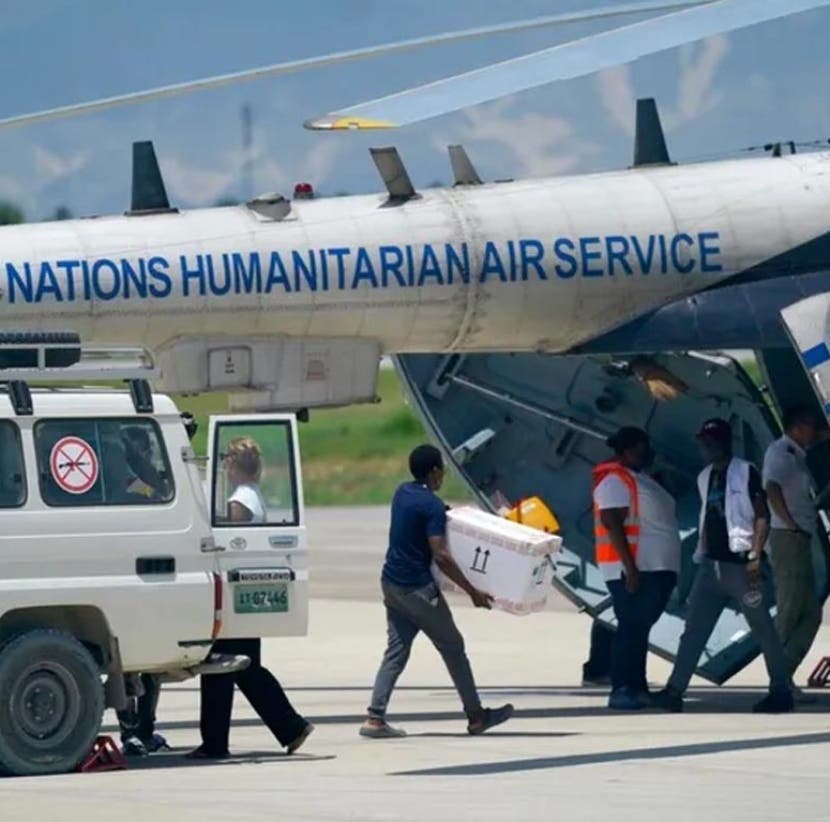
(303, 191)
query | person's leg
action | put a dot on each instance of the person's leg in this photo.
(129, 721)
(706, 602)
(799, 609)
(428, 610)
(217, 705)
(598, 666)
(401, 633)
(624, 650)
(262, 689)
(750, 599)
(651, 603)
(147, 704)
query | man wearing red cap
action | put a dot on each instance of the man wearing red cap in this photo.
(734, 526)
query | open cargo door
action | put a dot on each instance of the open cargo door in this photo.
(521, 425)
(808, 324)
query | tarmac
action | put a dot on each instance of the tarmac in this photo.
(563, 756)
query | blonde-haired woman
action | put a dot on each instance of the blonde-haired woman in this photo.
(243, 466)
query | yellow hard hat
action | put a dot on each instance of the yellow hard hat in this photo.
(535, 514)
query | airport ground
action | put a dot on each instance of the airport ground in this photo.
(562, 757)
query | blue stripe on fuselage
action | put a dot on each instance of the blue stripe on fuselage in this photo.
(816, 356)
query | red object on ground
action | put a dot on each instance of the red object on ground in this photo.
(104, 756)
(821, 674)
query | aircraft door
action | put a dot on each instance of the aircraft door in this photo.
(516, 426)
(808, 324)
(257, 517)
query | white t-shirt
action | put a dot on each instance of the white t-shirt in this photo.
(659, 542)
(785, 463)
(251, 498)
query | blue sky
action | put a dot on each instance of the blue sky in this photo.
(764, 83)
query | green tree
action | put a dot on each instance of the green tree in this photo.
(62, 212)
(10, 214)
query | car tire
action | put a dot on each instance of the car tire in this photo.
(51, 703)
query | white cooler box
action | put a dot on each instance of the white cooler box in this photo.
(511, 562)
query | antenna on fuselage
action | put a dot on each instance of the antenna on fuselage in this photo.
(394, 174)
(649, 141)
(463, 170)
(778, 149)
(149, 195)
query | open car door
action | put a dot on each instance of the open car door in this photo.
(257, 515)
(521, 425)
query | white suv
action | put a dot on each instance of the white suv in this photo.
(112, 558)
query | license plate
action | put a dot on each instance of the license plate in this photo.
(260, 599)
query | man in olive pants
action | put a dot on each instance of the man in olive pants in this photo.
(788, 485)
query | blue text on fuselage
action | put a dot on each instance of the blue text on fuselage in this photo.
(348, 268)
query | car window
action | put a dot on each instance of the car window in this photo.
(254, 479)
(102, 462)
(12, 472)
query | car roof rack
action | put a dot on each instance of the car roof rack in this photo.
(26, 358)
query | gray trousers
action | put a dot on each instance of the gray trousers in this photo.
(407, 613)
(715, 584)
(799, 609)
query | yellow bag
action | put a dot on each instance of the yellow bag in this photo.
(535, 514)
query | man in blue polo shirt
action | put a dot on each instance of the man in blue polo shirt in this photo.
(417, 537)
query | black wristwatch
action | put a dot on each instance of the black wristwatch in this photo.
(752, 556)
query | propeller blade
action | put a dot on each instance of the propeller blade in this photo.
(343, 57)
(562, 62)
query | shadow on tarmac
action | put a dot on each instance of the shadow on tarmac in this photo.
(704, 700)
(576, 760)
(494, 735)
(177, 759)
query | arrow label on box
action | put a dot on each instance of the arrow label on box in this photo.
(480, 560)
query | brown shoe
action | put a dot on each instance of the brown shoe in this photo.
(371, 730)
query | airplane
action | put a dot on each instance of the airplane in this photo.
(527, 320)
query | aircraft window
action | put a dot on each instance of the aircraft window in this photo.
(12, 472)
(102, 462)
(254, 475)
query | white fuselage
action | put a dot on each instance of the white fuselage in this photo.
(533, 265)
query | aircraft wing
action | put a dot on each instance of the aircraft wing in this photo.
(562, 62)
(293, 66)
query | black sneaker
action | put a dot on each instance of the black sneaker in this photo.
(133, 746)
(490, 717)
(156, 743)
(668, 700)
(779, 702)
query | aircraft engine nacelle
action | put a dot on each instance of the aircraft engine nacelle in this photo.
(272, 373)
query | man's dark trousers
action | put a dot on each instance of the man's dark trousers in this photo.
(408, 612)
